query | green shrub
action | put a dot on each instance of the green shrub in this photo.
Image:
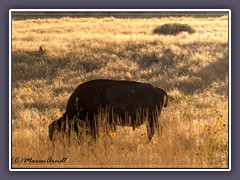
(173, 29)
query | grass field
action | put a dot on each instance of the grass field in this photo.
(192, 68)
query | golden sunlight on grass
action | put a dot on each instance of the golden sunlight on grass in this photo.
(192, 68)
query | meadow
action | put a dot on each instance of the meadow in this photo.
(191, 68)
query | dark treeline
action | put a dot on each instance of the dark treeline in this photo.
(119, 14)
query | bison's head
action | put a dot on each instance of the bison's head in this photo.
(57, 126)
(53, 127)
(66, 126)
(50, 130)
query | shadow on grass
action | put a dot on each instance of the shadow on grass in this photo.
(216, 72)
(175, 69)
(27, 66)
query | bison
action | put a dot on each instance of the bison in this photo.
(126, 103)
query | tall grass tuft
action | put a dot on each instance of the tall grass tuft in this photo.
(173, 29)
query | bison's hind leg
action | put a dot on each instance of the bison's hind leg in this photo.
(150, 129)
(152, 126)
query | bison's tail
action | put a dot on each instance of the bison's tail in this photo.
(166, 102)
(165, 98)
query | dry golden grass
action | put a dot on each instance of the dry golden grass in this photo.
(192, 68)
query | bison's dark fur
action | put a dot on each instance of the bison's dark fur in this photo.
(129, 103)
